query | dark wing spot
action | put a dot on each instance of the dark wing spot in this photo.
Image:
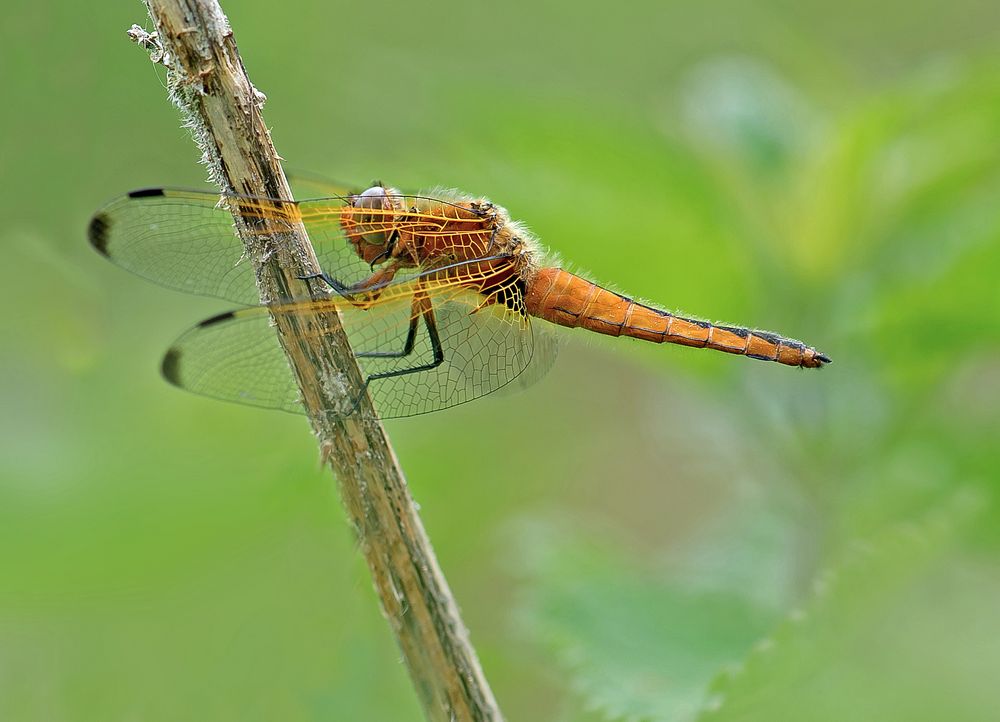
(218, 318)
(97, 233)
(146, 193)
(170, 366)
(508, 295)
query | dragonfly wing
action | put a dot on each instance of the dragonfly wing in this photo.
(545, 349)
(237, 357)
(186, 240)
(306, 184)
(483, 348)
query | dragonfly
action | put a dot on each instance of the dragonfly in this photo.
(439, 294)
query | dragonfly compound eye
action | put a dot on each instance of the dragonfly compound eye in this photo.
(374, 197)
(373, 220)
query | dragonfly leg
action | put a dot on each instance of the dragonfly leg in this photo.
(330, 281)
(369, 289)
(423, 309)
(411, 338)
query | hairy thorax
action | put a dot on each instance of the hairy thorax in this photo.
(447, 236)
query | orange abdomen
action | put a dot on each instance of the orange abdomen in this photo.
(561, 297)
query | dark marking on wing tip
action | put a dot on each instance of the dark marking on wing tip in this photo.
(170, 367)
(97, 233)
(218, 318)
(147, 193)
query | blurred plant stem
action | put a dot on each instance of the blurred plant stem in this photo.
(209, 84)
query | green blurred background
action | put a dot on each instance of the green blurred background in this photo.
(650, 532)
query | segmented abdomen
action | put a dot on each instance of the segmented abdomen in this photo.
(561, 297)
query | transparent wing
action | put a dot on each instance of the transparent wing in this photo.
(306, 184)
(186, 239)
(482, 348)
(543, 356)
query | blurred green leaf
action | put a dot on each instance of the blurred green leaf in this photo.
(849, 650)
(637, 647)
(642, 639)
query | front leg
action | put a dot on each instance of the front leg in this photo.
(365, 292)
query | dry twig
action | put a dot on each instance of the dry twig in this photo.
(209, 84)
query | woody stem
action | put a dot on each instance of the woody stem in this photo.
(209, 84)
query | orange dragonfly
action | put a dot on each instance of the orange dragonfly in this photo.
(436, 292)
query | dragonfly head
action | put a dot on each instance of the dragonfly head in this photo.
(371, 225)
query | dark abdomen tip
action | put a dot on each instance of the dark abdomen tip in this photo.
(814, 360)
(97, 233)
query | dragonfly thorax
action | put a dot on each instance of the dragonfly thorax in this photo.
(462, 240)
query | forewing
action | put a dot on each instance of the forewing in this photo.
(237, 357)
(186, 240)
(306, 184)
